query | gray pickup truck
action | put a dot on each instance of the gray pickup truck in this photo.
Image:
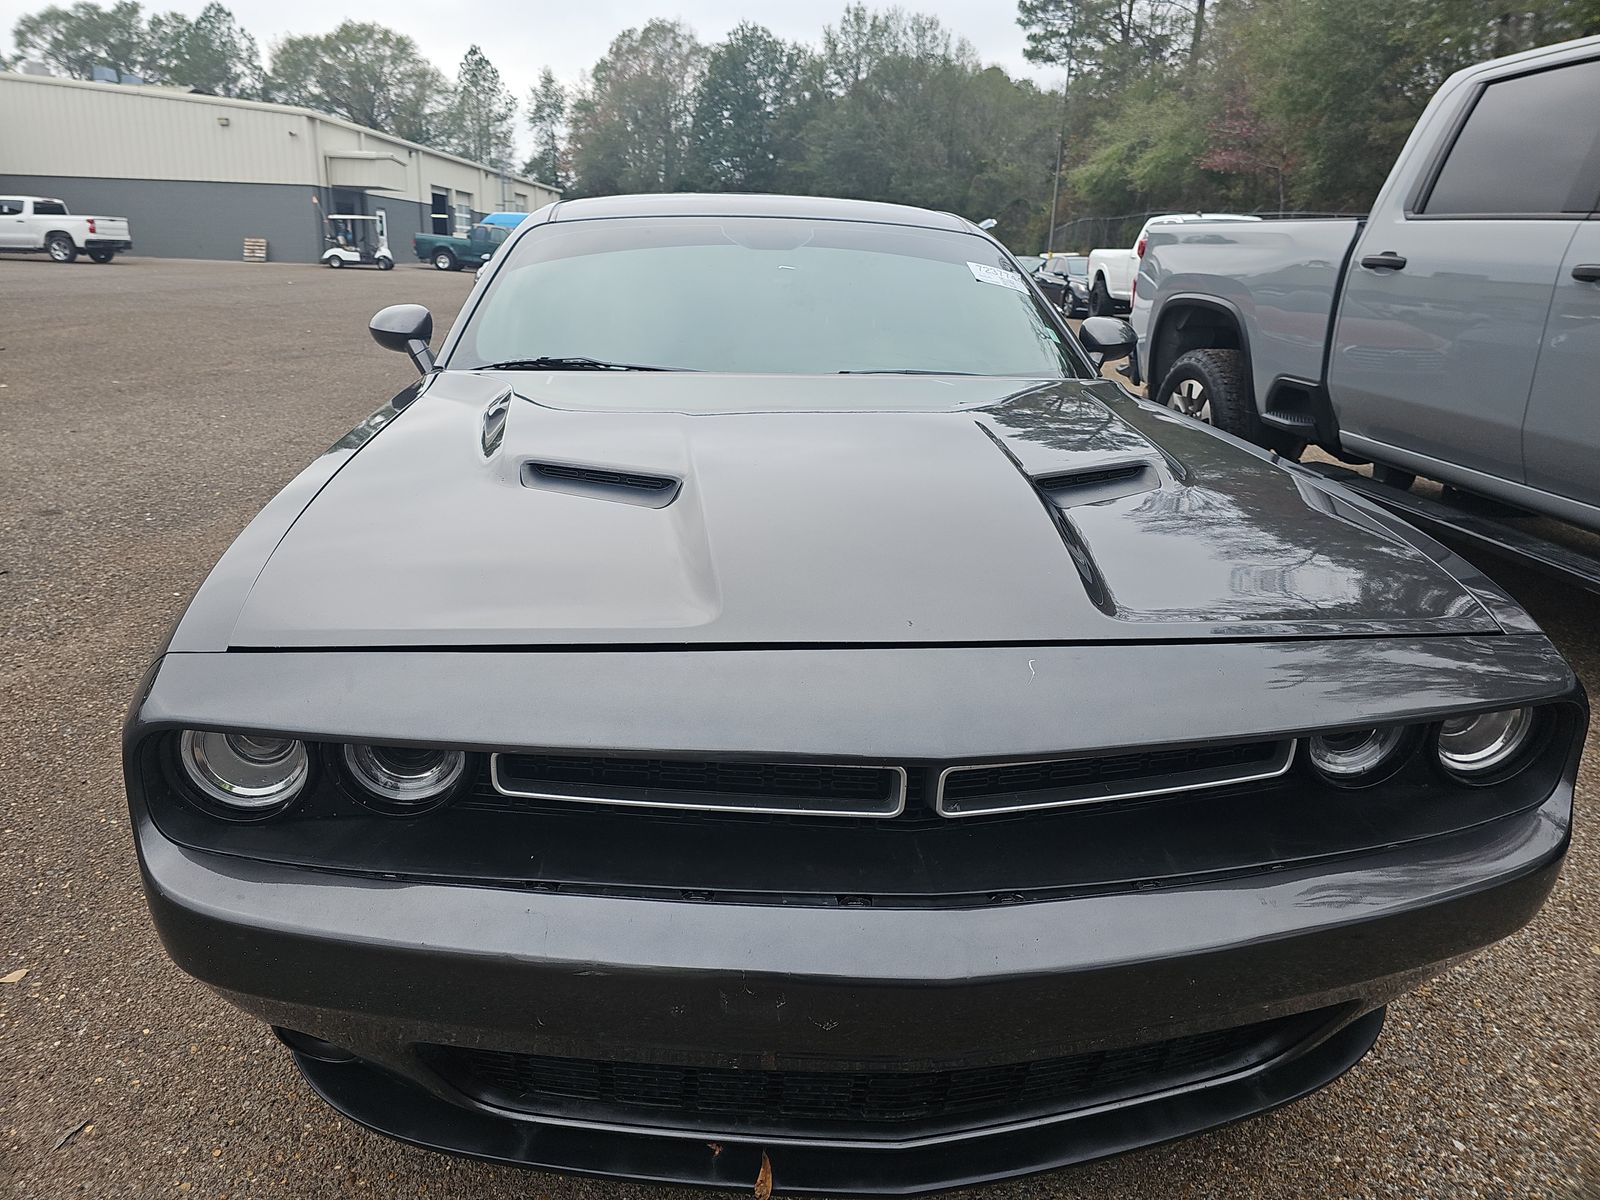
(1453, 333)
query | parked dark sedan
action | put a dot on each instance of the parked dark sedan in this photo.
(1073, 271)
(816, 719)
(1033, 266)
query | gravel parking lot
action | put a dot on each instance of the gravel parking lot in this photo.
(147, 410)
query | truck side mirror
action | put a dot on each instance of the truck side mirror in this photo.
(1108, 337)
(407, 328)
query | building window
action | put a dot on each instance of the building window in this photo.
(519, 201)
(463, 213)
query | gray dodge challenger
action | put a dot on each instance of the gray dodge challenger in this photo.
(762, 705)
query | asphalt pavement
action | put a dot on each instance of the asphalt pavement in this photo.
(147, 410)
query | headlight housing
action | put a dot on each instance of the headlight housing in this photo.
(1480, 747)
(404, 779)
(246, 775)
(1359, 757)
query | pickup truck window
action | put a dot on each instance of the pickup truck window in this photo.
(1524, 150)
(49, 208)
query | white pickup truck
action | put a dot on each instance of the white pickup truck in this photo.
(39, 223)
(1112, 272)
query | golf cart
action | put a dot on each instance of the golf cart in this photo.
(357, 241)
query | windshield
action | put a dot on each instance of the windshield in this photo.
(1077, 266)
(764, 295)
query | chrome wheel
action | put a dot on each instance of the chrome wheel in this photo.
(1190, 398)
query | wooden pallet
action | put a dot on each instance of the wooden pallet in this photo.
(255, 249)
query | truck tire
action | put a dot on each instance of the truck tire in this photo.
(1100, 302)
(61, 248)
(102, 256)
(443, 260)
(1213, 386)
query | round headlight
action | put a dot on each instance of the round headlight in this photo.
(1474, 747)
(405, 776)
(246, 772)
(1359, 756)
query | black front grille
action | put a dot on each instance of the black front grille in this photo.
(795, 787)
(887, 1102)
(1066, 780)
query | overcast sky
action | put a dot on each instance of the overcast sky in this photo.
(521, 38)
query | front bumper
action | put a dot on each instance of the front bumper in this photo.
(391, 1106)
(378, 967)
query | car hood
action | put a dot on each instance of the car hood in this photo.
(504, 509)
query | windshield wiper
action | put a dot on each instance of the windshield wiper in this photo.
(905, 371)
(567, 364)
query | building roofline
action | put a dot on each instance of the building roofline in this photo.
(163, 92)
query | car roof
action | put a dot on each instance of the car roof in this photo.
(736, 204)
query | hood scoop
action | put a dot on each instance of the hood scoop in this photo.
(1096, 485)
(602, 483)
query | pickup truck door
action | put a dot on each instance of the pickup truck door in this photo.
(1446, 296)
(1561, 438)
(14, 230)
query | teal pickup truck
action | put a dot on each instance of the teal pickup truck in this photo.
(448, 253)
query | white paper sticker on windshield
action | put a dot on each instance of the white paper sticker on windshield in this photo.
(1004, 278)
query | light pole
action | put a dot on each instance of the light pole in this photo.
(1061, 147)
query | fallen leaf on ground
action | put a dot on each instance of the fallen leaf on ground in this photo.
(764, 1178)
(16, 976)
(69, 1135)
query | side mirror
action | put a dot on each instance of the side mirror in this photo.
(1108, 337)
(406, 328)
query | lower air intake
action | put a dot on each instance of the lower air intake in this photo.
(867, 1103)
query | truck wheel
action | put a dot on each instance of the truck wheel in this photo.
(102, 256)
(61, 248)
(1213, 386)
(1100, 302)
(443, 260)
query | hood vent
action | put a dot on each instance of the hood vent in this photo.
(602, 483)
(494, 422)
(1095, 485)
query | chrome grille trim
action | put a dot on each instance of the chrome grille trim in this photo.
(1135, 789)
(739, 803)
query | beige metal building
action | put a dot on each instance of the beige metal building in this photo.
(196, 175)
